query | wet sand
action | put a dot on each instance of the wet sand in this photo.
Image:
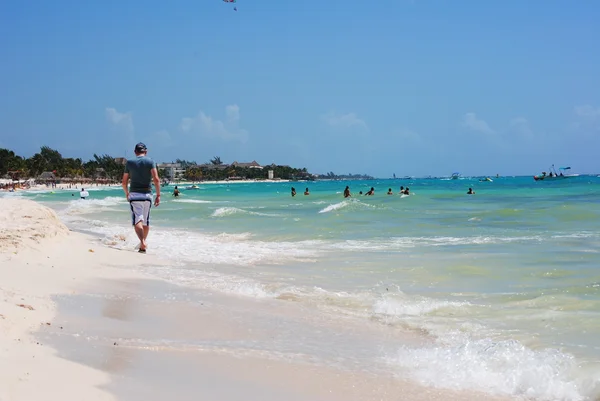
(159, 341)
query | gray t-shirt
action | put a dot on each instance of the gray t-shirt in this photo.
(140, 174)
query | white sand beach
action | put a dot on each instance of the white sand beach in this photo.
(41, 259)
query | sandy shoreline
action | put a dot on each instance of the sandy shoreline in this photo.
(39, 257)
(79, 324)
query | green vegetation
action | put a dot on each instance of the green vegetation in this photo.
(49, 160)
(51, 165)
(216, 170)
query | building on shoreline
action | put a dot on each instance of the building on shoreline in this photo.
(252, 164)
(172, 170)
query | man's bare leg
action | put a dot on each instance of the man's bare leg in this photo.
(140, 231)
(146, 231)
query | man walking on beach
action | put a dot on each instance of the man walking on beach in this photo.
(142, 171)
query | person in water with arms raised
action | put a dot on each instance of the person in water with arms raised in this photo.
(142, 172)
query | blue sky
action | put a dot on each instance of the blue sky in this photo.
(412, 87)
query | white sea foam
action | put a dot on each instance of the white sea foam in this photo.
(345, 204)
(502, 367)
(202, 249)
(191, 201)
(83, 206)
(398, 305)
(229, 211)
(398, 243)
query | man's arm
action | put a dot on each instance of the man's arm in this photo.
(156, 181)
(124, 184)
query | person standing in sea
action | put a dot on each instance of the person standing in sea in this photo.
(142, 172)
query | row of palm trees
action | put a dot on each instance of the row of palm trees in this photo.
(49, 160)
(216, 170)
(49, 165)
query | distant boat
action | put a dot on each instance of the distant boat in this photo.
(455, 176)
(553, 175)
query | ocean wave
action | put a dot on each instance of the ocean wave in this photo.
(230, 211)
(82, 206)
(397, 243)
(203, 249)
(399, 305)
(191, 201)
(498, 367)
(346, 204)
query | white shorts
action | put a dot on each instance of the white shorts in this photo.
(140, 208)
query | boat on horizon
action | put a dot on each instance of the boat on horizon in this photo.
(455, 176)
(553, 175)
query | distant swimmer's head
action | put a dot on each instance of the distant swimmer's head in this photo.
(140, 149)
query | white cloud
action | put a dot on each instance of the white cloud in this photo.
(473, 123)
(344, 120)
(588, 112)
(206, 126)
(521, 127)
(122, 121)
(233, 112)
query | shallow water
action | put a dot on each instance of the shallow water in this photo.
(505, 283)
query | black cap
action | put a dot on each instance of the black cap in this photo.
(140, 148)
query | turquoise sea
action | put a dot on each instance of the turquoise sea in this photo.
(502, 286)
